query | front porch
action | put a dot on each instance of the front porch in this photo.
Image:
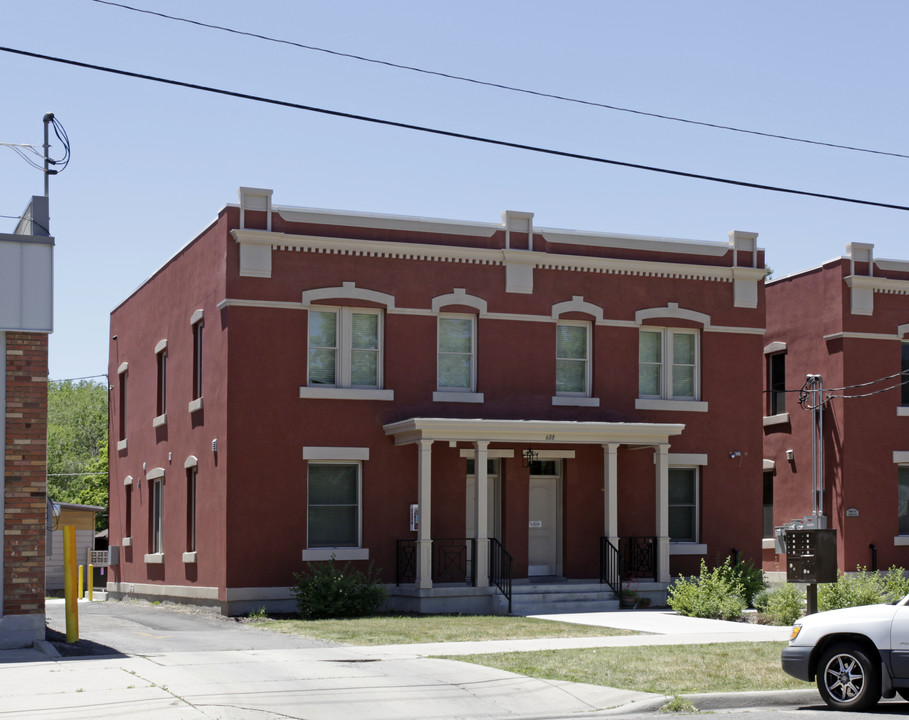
(563, 535)
(630, 564)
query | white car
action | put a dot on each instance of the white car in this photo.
(856, 655)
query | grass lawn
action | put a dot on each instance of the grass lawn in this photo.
(409, 629)
(665, 669)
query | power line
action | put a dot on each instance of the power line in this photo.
(500, 86)
(452, 134)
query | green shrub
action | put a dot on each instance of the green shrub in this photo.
(781, 606)
(329, 591)
(750, 578)
(863, 588)
(716, 593)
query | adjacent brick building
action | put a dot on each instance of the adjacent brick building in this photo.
(297, 385)
(26, 319)
(845, 465)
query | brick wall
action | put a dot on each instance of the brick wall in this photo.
(26, 467)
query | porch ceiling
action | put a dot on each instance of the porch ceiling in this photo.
(539, 432)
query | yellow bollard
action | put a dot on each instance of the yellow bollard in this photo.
(91, 580)
(69, 583)
(79, 593)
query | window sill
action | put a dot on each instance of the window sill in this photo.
(189, 557)
(901, 541)
(317, 554)
(768, 544)
(160, 421)
(463, 397)
(331, 393)
(154, 559)
(575, 401)
(126, 542)
(195, 405)
(780, 419)
(121, 445)
(687, 548)
(902, 411)
(675, 405)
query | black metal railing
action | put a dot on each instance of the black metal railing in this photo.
(500, 569)
(453, 560)
(639, 557)
(610, 565)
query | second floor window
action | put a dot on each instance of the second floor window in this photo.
(345, 348)
(668, 364)
(573, 358)
(197, 359)
(162, 383)
(457, 351)
(904, 378)
(776, 382)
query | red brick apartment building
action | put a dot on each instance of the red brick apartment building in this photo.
(457, 403)
(26, 319)
(846, 321)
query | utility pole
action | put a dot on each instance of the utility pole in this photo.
(48, 119)
(815, 383)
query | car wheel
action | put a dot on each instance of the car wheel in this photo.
(847, 679)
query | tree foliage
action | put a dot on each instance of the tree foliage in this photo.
(77, 451)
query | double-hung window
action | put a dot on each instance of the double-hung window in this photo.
(903, 500)
(683, 505)
(668, 364)
(457, 353)
(345, 348)
(155, 479)
(333, 498)
(776, 382)
(573, 358)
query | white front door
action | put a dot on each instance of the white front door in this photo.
(544, 528)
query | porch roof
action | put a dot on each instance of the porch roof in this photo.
(539, 432)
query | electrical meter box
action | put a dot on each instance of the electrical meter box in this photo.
(811, 556)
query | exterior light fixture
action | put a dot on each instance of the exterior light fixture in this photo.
(528, 456)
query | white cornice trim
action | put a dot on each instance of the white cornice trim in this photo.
(636, 242)
(486, 256)
(878, 284)
(388, 222)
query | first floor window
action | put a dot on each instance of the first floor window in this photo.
(156, 515)
(768, 504)
(668, 364)
(683, 505)
(122, 419)
(457, 348)
(191, 474)
(903, 500)
(572, 358)
(345, 348)
(333, 505)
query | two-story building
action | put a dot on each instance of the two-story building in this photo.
(836, 445)
(433, 397)
(26, 320)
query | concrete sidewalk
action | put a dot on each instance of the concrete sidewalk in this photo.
(368, 682)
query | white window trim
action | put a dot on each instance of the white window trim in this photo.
(657, 402)
(689, 547)
(464, 392)
(347, 552)
(189, 557)
(343, 351)
(455, 396)
(781, 419)
(587, 393)
(154, 558)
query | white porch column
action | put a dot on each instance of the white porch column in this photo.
(424, 500)
(610, 492)
(661, 461)
(481, 513)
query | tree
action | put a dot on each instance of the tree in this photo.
(77, 449)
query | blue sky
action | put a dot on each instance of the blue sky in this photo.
(152, 165)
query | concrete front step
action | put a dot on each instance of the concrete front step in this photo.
(534, 598)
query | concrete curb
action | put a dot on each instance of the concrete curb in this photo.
(708, 702)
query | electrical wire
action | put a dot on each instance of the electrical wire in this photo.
(452, 134)
(60, 132)
(500, 86)
(832, 393)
